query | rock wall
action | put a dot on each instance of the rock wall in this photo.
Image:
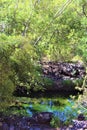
(63, 74)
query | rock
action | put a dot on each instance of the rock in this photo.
(14, 122)
(81, 117)
(66, 69)
(59, 72)
(5, 127)
(43, 117)
(79, 125)
(1, 125)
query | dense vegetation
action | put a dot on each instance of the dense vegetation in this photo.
(33, 29)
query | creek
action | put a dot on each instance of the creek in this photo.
(60, 104)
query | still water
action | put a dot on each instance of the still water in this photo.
(62, 107)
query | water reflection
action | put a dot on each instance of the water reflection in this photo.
(63, 113)
(50, 103)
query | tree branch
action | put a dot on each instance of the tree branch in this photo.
(54, 17)
(83, 8)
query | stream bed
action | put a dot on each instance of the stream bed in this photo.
(33, 111)
(62, 107)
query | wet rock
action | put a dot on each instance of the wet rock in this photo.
(81, 117)
(41, 122)
(1, 124)
(43, 117)
(41, 127)
(14, 122)
(5, 126)
(79, 125)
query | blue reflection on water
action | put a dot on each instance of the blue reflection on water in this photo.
(63, 115)
(50, 103)
(29, 112)
(67, 113)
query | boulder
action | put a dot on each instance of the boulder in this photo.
(81, 117)
(43, 117)
(79, 125)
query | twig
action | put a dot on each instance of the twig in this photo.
(54, 17)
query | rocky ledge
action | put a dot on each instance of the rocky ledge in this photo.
(63, 74)
(14, 122)
(82, 125)
(39, 121)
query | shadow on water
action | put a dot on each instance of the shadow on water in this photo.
(50, 94)
(56, 102)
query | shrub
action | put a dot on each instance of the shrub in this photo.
(18, 65)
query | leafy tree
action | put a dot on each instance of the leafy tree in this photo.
(18, 66)
(32, 29)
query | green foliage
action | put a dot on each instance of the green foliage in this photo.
(55, 122)
(48, 82)
(73, 84)
(81, 103)
(58, 38)
(6, 72)
(18, 66)
(32, 29)
(68, 84)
